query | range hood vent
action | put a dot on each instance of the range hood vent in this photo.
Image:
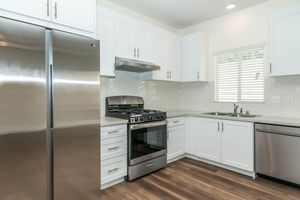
(125, 64)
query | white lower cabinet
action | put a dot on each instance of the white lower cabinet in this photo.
(113, 154)
(114, 147)
(176, 145)
(209, 139)
(113, 169)
(228, 142)
(238, 145)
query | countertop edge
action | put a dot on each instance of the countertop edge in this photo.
(285, 121)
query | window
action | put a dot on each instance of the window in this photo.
(240, 76)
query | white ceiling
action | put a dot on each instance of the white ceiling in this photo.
(183, 13)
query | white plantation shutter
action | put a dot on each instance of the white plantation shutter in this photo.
(240, 76)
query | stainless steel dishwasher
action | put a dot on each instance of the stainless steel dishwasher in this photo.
(277, 151)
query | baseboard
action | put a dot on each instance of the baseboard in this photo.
(112, 183)
(241, 171)
(176, 158)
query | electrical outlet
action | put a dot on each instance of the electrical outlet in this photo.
(275, 99)
(291, 99)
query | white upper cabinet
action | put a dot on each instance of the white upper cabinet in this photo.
(238, 144)
(124, 37)
(195, 57)
(157, 54)
(284, 43)
(132, 39)
(105, 33)
(76, 14)
(67, 15)
(165, 51)
(174, 56)
(34, 8)
(180, 59)
(142, 42)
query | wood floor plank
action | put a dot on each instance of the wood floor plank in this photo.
(189, 179)
(280, 190)
(220, 182)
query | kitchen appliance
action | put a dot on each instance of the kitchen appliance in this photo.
(125, 64)
(147, 134)
(277, 152)
(50, 114)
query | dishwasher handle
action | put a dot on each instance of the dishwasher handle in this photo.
(278, 132)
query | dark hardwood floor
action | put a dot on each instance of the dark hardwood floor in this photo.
(192, 180)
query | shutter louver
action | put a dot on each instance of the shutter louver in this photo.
(240, 76)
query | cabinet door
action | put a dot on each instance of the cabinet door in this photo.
(33, 8)
(238, 145)
(175, 141)
(195, 57)
(174, 56)
(191, 135)
(285, 43)
(209, 139)
(124, 38)
(157, 54)
(78, 14)
(105, 33)
(142, 42)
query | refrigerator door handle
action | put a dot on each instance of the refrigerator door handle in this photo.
(51, 95)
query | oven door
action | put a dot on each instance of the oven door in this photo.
(147, 141)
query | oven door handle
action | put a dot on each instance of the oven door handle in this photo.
(147, 125)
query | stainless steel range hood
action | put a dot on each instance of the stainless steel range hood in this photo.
(125, 64)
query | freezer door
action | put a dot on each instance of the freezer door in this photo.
(23, 149)
(76, 111)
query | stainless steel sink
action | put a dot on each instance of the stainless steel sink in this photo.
(231, 114)
(242, 115)
(218, 113)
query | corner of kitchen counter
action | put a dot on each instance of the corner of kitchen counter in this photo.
(111, 121)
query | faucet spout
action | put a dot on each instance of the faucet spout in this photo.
(235, 108)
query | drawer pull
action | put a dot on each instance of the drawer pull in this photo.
(150, 164)
(113, 132)
(113, 148)
(175, 122)
(113, 170)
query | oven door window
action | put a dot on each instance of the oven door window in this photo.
(148, 140)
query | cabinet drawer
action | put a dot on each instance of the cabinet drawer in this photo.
(113, 147)
(178, 121)
(113, 131)
(113, 169)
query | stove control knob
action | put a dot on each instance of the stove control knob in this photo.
(136, 119)
(150, 117)
(141, 119)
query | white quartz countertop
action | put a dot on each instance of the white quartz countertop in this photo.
(111, 121)
(259, 119)
(286, 121)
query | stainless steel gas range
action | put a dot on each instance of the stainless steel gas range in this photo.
(147, 134)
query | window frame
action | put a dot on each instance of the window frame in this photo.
(244, 48)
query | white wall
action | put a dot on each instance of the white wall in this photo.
(243, 28)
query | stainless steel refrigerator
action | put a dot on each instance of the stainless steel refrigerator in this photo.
(49, 114)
